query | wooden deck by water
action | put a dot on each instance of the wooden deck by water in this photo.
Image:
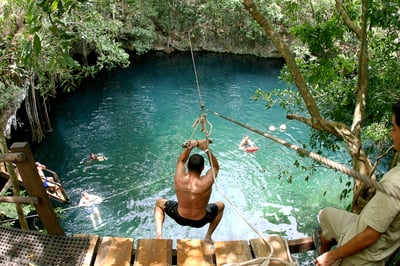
(30, 247)
(188, 252)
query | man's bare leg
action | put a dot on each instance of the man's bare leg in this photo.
(159, 217)
(215, 222)
(92, 218)
(96, 211)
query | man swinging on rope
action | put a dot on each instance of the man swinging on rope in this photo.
(193, 192)
(372, 236)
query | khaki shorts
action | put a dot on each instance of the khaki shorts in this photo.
(335, 223)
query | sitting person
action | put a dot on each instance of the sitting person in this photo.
(245, 143)
(373, 235)
(193, 192)
(48, 182)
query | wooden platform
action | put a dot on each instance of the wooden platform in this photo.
(188, 252)
(30, 247)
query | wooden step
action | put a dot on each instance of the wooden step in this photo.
(153, 252)
(94, 241)
(194, 252)
(114, 251)
(232, 252)
(280, 250)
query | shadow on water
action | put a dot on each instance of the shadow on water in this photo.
(139, 116)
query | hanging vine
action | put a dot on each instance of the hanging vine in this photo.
(32, 112)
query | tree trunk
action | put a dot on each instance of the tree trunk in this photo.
(351, 136)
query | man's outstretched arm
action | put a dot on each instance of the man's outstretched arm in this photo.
(180, 166)
(211, 158)
(358, 243)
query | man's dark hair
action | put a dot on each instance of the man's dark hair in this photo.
(396, 111)
(196, 163)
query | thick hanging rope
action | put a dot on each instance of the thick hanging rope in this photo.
(389, 190)
(195, 73)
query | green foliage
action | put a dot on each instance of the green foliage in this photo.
(384, 14)
(321, 38)
(329, 64)
(100, 32)
(289, 99)
(9, 95)
(347, 191)
(8, 209)
(42, 45)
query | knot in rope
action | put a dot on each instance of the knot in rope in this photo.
(202, 120)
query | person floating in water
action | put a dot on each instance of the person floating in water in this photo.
(246, 143)
(90, 203)
(48, 182)
(94, 157)
(193, 192)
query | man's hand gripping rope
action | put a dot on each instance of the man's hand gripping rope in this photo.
(197, 143)
(201, 120)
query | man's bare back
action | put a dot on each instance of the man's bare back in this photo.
(193, 192)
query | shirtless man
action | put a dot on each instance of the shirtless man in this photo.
(90, 202)
(193, 192)
(48, 181)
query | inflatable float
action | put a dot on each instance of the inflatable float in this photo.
(252, 149)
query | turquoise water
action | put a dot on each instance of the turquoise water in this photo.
(138, 118)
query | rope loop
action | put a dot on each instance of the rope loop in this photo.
(202, 120)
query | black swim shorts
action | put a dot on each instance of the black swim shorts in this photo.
(171, 209)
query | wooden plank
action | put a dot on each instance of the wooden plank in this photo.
(6, 187)
(232, 252)
(19, 199)
(12, 157)
(280, 250)
(301, 245)
(194, 252)
(114, 251)
(154, 252)
(92, 249)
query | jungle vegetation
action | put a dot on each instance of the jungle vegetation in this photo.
(342, 58)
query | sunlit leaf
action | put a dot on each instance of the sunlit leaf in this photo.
(37, 45)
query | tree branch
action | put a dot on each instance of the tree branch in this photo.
(346, 19)
(362, 78)
(289, 59)
(335, 128)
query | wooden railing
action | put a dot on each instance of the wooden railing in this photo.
(21, 156)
